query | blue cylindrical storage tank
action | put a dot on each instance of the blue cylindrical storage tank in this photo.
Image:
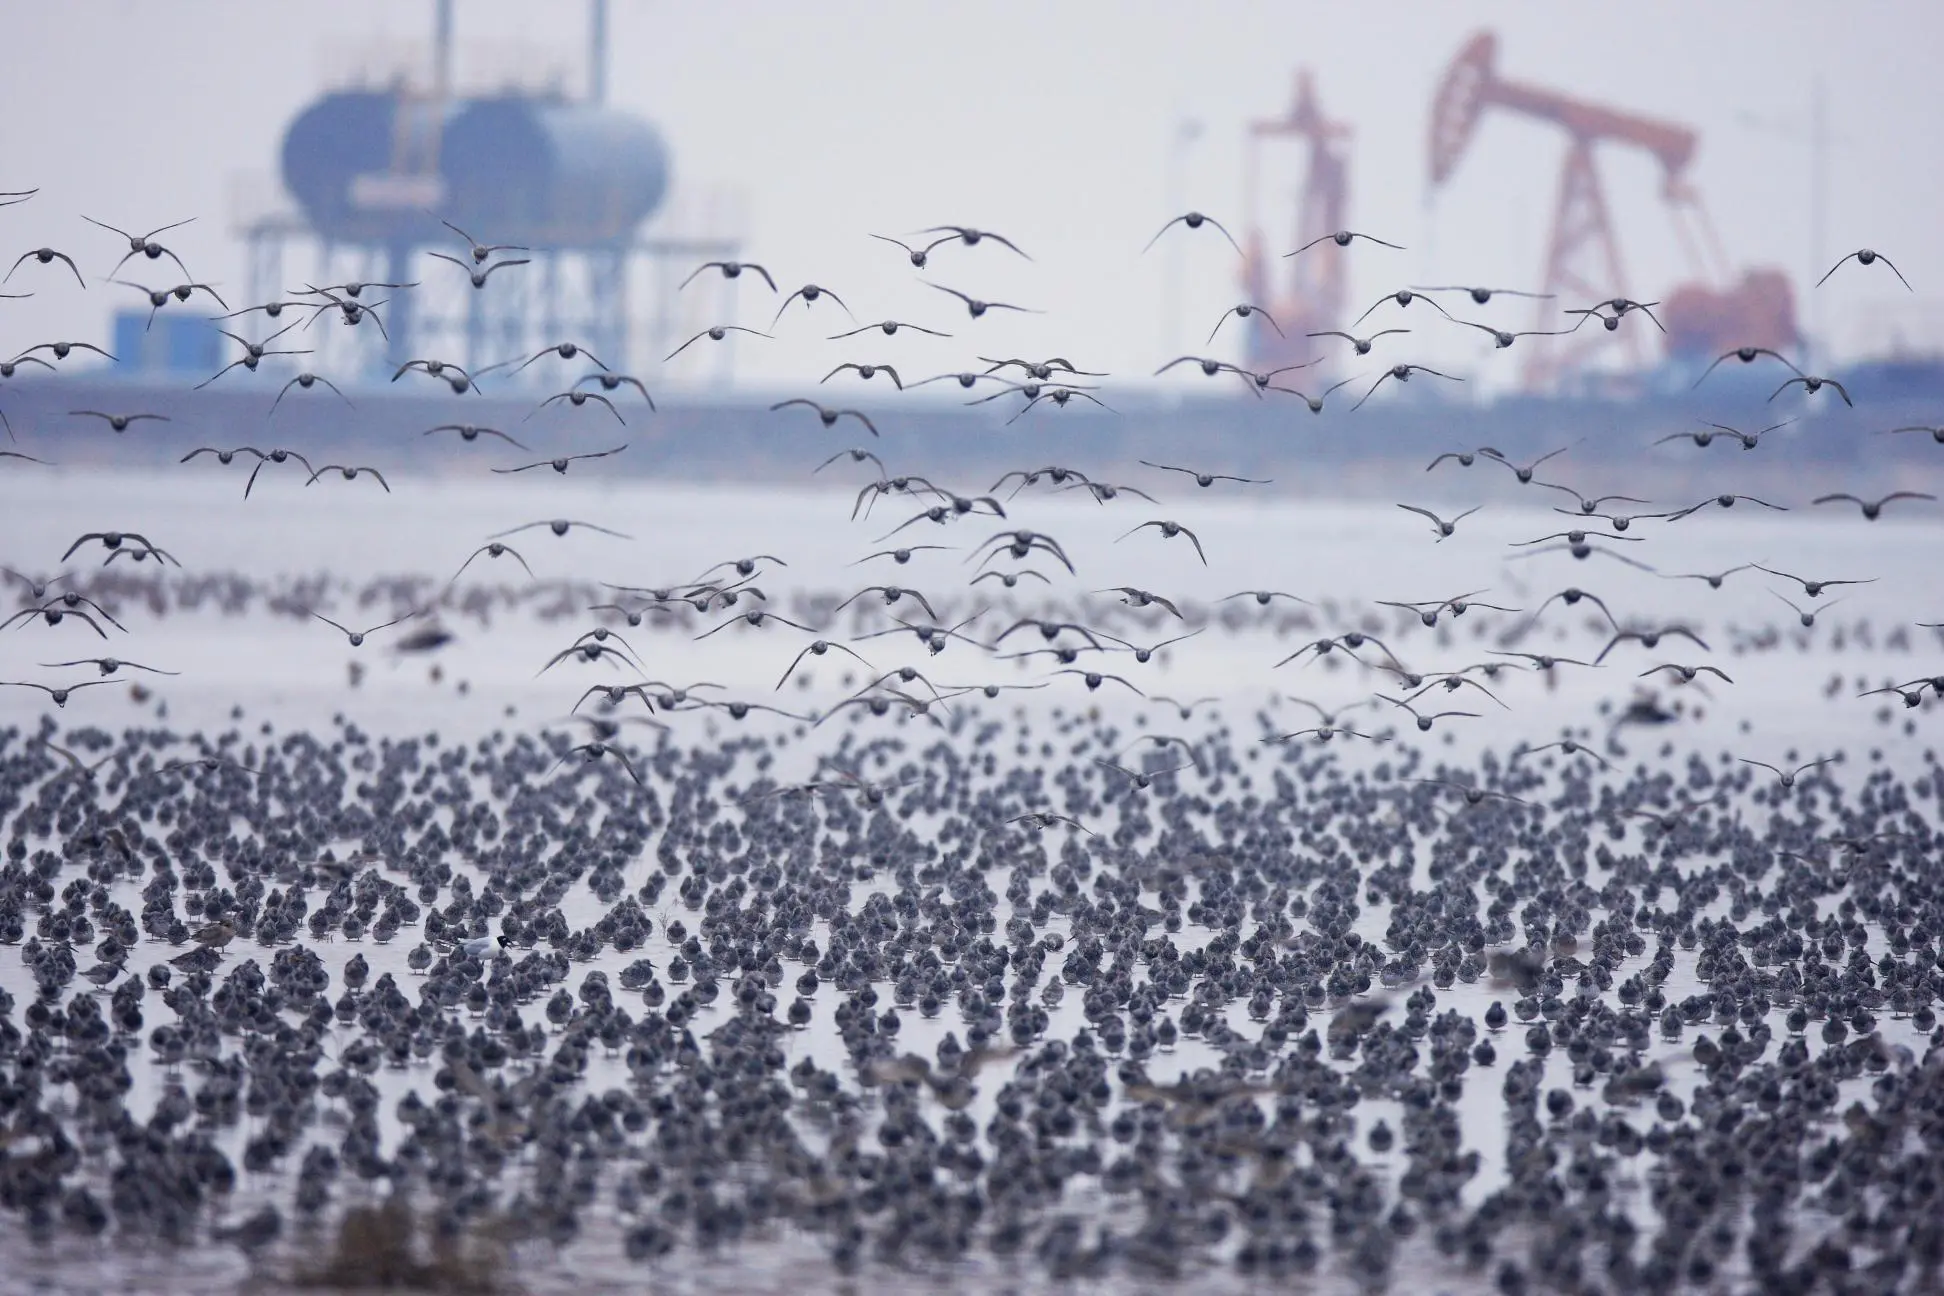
(338, 152)
(551, 174)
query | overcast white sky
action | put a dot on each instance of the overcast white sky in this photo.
(1047, 120)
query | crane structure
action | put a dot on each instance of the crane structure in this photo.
(1583, 265)
(1317, 289)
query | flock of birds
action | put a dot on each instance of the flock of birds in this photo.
(539, 989)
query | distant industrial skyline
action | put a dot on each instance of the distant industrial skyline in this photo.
(1053, 124)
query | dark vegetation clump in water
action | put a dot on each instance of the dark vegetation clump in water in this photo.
(391, 1247)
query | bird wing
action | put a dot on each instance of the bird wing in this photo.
(1150, 243)
(1373, 390)
(1819, 283)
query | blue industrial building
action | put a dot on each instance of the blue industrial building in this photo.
(164, 342)
(375, 173)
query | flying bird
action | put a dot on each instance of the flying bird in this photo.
(971, 237)
(594, 751)
(828, 417)
(1094, 679)
(275, 456)
(108, 665)
(60, 696)
(480, 274)
(900, 556)
(1343, 238)
(1169, 530)
(470, 432)
(918, 256)
(1747, 355)
(729, 270)
(306, 381)
(1864, 257)
(1402, 373)
(1424, 720)
(1805, 616)
(1059, 396)
(889, 328)
(1705, 435)
(857, 454)
(563, 351)
(1438, 524)
(1483, 296)
(47, 256)
(118, 422)
(610, 381)
(578, 398)
(1813, 588)
(61, 351)
(559, 464)
(559, 526)
(1787, 778)
(493, 549)
(1315, 403)
(1650, 639)
(1141, 779)
(1194, 220)
(1465, 458)
(1205, 479)
(1811, 384)
(437, 369)
(1936, 433)
(1686, 674)
(866, 372)
(142, 244)
(159, 297)
(1264, 598)
(1724, 500)
(811, 295)
(60, 609)
(1588, 506)
(1566, 745)
(253, 353)
(715, 333)
(1714, 579)
(1428, 611)
(350, 473)
(1134, 596)
(1503, 338)
(481, 251)
(1620, 307)
(1404, 297)
(1243, 311)
(1361, 345)
(818, 648)
(1040, 820)
(357, 637)
(1872, 509)
(756, 618)
(1524, 471)
(1206, 364)
(977, 308)
(113, 541)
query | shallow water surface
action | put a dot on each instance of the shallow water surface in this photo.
(260, 668)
